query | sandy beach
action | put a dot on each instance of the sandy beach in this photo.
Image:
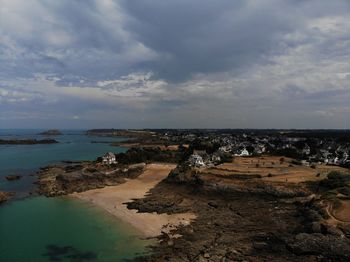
(112, 199)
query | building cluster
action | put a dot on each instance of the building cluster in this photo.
(201, 158)
(308, 148)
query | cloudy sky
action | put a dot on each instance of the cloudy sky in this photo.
(186, 64)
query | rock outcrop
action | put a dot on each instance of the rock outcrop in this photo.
(70, 178)
(332, 247)
(13, 177)
(242, 219)
(4, 196)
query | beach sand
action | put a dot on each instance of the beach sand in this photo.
(112, 198)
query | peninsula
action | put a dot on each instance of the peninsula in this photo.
(223, 195)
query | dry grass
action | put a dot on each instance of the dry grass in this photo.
(273, 168)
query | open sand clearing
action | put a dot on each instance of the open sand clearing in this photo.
(343, 212)
(112, 198)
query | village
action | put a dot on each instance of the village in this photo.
(305, 147)
(205, 148)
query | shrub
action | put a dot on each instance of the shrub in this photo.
(336, 175)
(226, 158)
(296, 162)
(344, 191)
(335, 179)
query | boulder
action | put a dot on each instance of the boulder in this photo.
(329, 246)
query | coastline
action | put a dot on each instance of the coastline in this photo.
(112, 199)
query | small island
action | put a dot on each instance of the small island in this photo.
(51, 132)
(27, 141)
(13, 177)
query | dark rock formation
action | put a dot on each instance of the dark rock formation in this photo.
(332, 247)
(240, 219)
(13, 177)
(67, 179)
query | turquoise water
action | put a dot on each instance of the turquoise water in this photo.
(57, 229)
(26, 159)
(39, 229)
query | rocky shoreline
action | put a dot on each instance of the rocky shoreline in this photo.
(82, 176)
(244, 223)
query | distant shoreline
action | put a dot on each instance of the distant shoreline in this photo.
(27, 141)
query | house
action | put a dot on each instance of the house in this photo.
(306, 150)
(215, 158)
(109, 158)
(243, 152)
(196, 160)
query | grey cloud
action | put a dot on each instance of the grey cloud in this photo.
(206, 63)
(204, 36)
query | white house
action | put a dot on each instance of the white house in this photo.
(109, 158)
(196, 160)
(306, 150)
(244, 152)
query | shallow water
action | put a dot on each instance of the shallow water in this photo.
(60, 229)
(57, 229)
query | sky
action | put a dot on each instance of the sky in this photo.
(174, 64)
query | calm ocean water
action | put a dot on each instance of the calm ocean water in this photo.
(57, 229)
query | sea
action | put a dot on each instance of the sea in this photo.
(39, 229)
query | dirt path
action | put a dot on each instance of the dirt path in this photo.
(112, 199)
(341, 214)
